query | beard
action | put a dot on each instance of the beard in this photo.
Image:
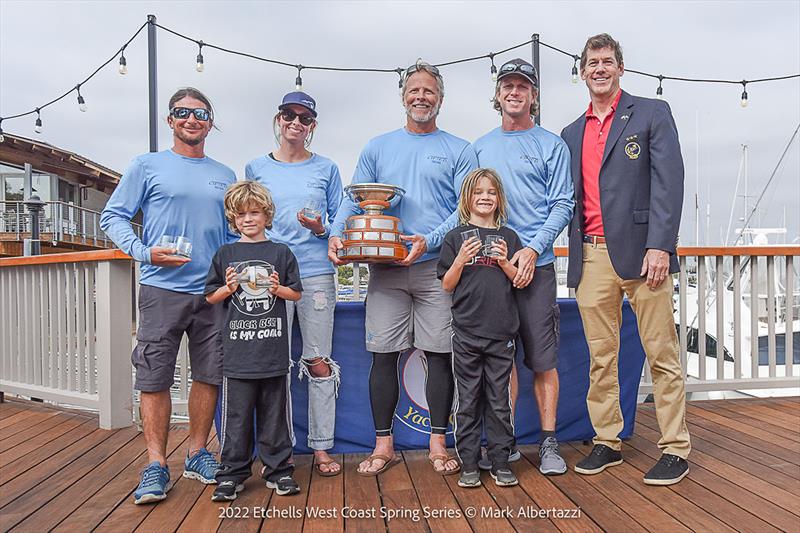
(418, 117)
(191, 141)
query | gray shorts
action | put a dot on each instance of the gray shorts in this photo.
(406, 306)
(539, 320)
(164, 316)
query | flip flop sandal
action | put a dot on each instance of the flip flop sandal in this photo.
(444, 459)
(323, 473)
(388, 463)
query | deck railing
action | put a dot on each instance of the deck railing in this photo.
(67, 324)
(65, 331)
(58, 222)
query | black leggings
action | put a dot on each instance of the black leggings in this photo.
(384, 390)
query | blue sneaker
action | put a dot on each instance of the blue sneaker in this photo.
(154, 484)
(202, 466)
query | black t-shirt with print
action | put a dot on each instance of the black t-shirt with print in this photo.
(255, 336)
(483, 301)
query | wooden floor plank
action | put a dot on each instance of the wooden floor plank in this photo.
(685, 511)
(735, 435)
(706, 498)
(592, 502)
(90, 513)
(62, 479)
(25, 424)
(398, 493)
(791, 445)
(361, 492)
(293, 506)
(748, 501)
(33, 430)
(646, 513)
(47, 516)
(325, 494)
(36, 473)
(745, 463)
(546, 495)
(27, 441)
(434, 494)
(22, 457)
(757, 416)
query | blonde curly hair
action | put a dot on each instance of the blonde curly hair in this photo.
(244, 194)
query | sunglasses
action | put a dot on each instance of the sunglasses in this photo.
(306, 119)
(184, 112)
(416, 67)
(519, 67)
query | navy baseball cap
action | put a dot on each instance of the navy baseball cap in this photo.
(519, 67)
(299, 98)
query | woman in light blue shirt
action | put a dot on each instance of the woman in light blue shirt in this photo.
(307, 190)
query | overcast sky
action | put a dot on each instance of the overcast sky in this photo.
(47, 47)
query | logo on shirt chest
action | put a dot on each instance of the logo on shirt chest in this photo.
(632, 150)
(218, 185)
(529, 158)
(437, 159)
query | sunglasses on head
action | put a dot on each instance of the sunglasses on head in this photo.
(425, 67)
(514, 67)
(184, 112)
(306, 119)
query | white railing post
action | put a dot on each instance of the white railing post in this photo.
(114, 318)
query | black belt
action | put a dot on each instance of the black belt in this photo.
(594, 239)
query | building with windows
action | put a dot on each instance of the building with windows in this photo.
(74, 189)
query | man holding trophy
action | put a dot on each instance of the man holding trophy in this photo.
(406, 305)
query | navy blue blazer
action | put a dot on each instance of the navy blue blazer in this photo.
(641, 186)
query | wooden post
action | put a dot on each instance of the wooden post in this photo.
(114, 375)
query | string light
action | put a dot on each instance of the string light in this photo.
(123, 64)
(123, 69)
(38, 125)
(200, 66)
(81, 101)
(743, 103)
(575, 69)
(2, 137)
(298, 81)
(400, 81)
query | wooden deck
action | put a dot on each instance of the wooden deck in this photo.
(58, 471)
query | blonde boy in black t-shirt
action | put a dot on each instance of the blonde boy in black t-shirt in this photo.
(253, 278)
(474, 266)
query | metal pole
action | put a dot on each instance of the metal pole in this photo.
(535, 52)
(152, 78)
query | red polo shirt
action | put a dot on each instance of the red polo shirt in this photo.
(594, 143)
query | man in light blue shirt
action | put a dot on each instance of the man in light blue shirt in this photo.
(534, 165)
(180, 193)
(406, 305)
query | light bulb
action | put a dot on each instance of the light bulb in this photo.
(200, 66)
(298, 83)
(660, 93)
(82, 104)
(494, 72)
(123, 65)
(38, 126)
(744, 99)
(574, 74)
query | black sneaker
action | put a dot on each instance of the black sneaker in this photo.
(284, 486)
(504, 477)
(667, 471)
(226, 491)
(470, 479)
(486, 464)
(601, 458)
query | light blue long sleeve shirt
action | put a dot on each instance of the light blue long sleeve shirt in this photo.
(430, 168)
(291, 186)
(178, 196)
(534, 165)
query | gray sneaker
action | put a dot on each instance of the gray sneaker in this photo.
(504, 477)
(485, 464)
(550, 461)
(470, 479)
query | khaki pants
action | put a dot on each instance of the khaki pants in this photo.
(599, 296)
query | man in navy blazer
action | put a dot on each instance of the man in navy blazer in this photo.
(628, 175)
